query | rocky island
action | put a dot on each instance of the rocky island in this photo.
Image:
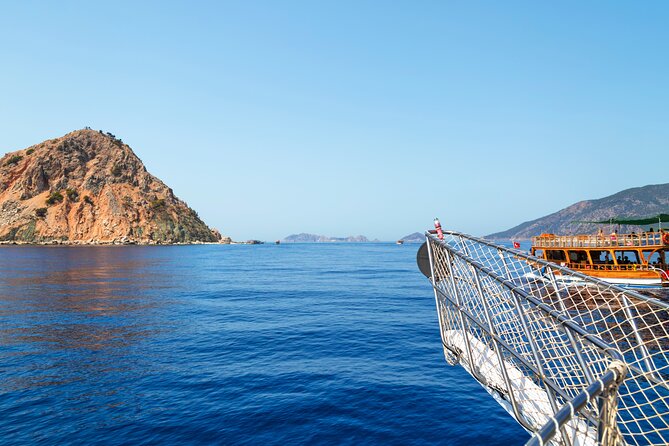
(88, 187)
(416, 237)
(314, 238)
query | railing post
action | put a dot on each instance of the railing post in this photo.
(537, 358)
(434, 288)
(575, 345)
(463, 321)
(498, 351)
(608, 433)
(645, 355)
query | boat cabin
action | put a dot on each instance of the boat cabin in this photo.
(618, 258)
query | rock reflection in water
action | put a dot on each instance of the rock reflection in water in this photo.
(75, 322)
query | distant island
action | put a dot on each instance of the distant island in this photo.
(416, 237)
(313, 238)
(88, 187)
(636, 202)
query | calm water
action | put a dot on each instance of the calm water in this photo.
(288, 344)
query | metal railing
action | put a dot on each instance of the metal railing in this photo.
(642, 239)
(573, 365)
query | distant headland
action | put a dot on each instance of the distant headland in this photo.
(313, 238)
(416, 237)
(88, 187)
(636, 202)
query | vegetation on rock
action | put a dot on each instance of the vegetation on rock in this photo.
(13, 160)
(55, 197)
(72, 194)
(158, 203)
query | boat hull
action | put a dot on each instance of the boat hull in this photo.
(627, 282)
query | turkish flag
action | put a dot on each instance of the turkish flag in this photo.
(516, 245)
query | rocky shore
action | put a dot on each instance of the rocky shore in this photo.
(119, 242)
(123, 241)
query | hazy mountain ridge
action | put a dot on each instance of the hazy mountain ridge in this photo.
(416, 237)
(635, 202)
(314, 238)
(90, 187)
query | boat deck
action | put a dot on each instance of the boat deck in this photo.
(643, 239)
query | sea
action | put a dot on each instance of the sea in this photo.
(333, 344)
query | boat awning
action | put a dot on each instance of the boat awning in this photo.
(639, 221)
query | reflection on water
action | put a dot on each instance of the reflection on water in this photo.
(72, 324)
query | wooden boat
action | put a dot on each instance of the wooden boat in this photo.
(634, 259)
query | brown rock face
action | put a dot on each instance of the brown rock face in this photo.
(90, 187)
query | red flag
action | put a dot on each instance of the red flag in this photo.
(516, 245)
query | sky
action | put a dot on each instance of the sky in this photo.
(353, 117)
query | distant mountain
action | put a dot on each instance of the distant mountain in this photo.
(416, 237)
(313, 238)
(636, 202)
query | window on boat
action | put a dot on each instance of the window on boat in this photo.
(539, 253)
(653, 257)
(555, 256)
(601, 257)
(658, 259)
(578, 257)
(627, 257)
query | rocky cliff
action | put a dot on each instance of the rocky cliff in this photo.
(90, 187)
(636, 202)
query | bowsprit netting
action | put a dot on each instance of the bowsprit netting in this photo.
(575, 360)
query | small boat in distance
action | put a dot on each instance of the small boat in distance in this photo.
(634, 259)
(400, 242)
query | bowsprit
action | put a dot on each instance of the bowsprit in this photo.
(574, 365)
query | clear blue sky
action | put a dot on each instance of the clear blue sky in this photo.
(353, 117)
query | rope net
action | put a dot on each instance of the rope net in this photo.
(536, 335)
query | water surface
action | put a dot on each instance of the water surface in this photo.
(270, 344)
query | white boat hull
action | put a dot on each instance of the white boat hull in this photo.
(532, 400)
(624, 282)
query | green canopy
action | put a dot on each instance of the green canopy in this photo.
(662, 218)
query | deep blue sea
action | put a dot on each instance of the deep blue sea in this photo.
(270, 345)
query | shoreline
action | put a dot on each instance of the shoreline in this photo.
(56, 242)
(111, 243)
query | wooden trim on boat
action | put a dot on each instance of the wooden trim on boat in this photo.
(643, 256)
